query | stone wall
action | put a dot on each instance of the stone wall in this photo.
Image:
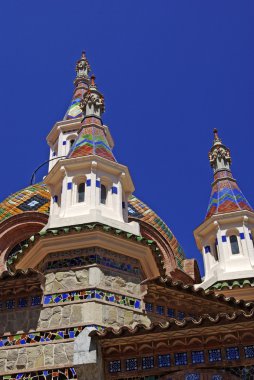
(66, 280)
(36, 357)
(54, 315)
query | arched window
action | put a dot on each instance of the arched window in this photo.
(103, 194)
(71, 142)
(81, 192)
(234, 244)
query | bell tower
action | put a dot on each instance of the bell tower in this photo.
(225, 238)
(86, 182)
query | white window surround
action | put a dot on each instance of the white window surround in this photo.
(234, 232)
(76, 182)
(108, 185)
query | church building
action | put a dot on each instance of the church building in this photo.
(95, 286)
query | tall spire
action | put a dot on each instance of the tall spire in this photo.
(226, 196)
(81, 84)
(93, 136)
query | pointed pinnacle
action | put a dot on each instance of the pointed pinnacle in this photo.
(83, 55)
(93, 80)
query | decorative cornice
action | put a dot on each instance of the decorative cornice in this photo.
(88, 228)
(207, 294)
(234, 284)
(174, 324)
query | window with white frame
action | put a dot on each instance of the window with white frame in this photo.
(81, 192)
(234, 244)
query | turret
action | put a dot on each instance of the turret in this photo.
(225, 237)
(86, 183)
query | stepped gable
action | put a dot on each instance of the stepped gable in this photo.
(226, 195)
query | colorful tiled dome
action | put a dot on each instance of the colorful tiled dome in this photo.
(32, 198)
(37, 198)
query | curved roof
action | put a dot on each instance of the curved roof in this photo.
(226, 195)
(37, 198)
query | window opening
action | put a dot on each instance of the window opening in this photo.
(103, 194)
(234, 244)
(81, 192)
(72, 142)
(216, 256)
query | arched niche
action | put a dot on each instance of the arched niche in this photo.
(17, 229)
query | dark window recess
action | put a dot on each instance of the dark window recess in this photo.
(216, 256)
(103, 194)
(81, 192)
(234, 244)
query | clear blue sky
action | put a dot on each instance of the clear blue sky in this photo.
(170, 71)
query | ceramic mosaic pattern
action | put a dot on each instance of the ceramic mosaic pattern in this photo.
(74, 110)
(85, 295)
(56, 374)
(140, 210)
(32, 198)
(95, 255)
(136, 208)
(40, 337)
(92, 141)
(226, 196)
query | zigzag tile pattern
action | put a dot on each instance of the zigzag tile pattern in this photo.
(92, 141)
(226, 196)
(18, 202)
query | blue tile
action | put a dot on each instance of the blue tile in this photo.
(69, 185)
(224, 238)
(242, 235)
(88, 182)
(55, 198)
(64, 142)
(114, 190)
(160, 310)
(181, 358)
(98, 183)
(164, 361)
(207, 249)
(232, 353)
(149, 307)
(198, 357)
(47, 299)
(214, 355)
(249, 352)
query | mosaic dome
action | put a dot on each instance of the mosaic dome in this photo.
(37, 198)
